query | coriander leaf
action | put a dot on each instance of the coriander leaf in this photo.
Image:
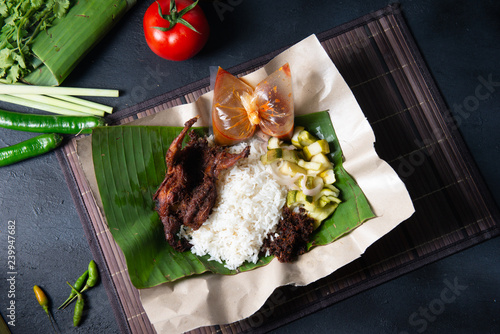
(19, 58)
(13, 74)
(21, 21)
(24, 7)
(11, 20)
(60, 8)
(36, 3)
(6, 59)
(4, 11)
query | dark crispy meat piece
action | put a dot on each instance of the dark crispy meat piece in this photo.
(188, 192)
(294, 230)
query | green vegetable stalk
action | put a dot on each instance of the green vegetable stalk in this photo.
(42, 41)
(22, 21)
(72, 37)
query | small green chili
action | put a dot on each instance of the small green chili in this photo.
(80, 303)
(91, 280)
(80, 282)
(93, 275)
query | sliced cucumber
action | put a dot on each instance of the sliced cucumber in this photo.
(295, 136)
(296, 197)
(327, 192)
(290, 168)
(310, 165)
(320, 213)
(291, 198)
(303, 198)
(323, 160)
(322, 201)
(335, 190)
(306, 138)
(319, 146)
(328, 176)
(310, 182)
(312, 161)
(276, 154)
(334, 199)
(273, 142)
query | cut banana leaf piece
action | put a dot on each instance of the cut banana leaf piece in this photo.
(129, 163)
(65, 44)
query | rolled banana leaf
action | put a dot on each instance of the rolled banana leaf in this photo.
(63, 46)
(129, 163)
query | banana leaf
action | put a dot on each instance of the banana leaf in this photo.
(129, 163)
(63, 46)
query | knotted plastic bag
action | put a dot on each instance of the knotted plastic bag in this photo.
(238, 110)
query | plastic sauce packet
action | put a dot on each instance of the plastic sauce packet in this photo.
(238, 109)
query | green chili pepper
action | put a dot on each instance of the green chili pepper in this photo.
(78, 286)
(44, 302)
(29, 148)
(49, 123)
(91, 280)
(80, 303)
(93, 275)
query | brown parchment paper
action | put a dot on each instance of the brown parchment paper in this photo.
(216, 299)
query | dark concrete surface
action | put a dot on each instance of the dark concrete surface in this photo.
(459, 41)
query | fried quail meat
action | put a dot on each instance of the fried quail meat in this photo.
(188, 193)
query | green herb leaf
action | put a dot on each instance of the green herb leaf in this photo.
(36, 3)
(13, 73)
(60, 8)
(6, 59)
(21, 22)
(4, 10)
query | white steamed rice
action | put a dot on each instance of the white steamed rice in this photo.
(248, 207)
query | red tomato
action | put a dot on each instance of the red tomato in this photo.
(180, 42)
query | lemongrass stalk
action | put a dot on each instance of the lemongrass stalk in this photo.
(75, 100)
(49, 90)
(39, 105)
(90, 104)
(59, 103)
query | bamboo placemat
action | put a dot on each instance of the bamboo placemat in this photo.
(415, 134)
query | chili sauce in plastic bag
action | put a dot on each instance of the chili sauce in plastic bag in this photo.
(238, 109)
